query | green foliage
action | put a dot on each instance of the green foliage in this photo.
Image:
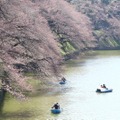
(98, 33)
(67, 48)
(109, 43)
(112, 42)
(63, 52)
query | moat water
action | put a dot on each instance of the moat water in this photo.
(77, 98)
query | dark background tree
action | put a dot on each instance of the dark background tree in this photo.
(105, 18)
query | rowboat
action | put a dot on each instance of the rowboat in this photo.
(104, 90)
(56, 111)
(62, 82)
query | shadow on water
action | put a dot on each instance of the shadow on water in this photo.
(16, 115)
(2, 98)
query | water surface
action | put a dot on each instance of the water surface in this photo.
(77, 98)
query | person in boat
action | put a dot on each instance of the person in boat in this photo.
(56, 106)
(101, 86)
(104, 86)
(63, 79)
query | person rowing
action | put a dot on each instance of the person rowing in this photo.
(63, 79)
(56, 106)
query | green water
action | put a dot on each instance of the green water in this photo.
(77, 98)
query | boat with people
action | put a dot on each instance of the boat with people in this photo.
(56, 109)
(63, 81)
(103, 89)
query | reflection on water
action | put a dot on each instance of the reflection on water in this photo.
(77, 98)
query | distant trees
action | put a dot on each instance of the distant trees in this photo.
(105, 17)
